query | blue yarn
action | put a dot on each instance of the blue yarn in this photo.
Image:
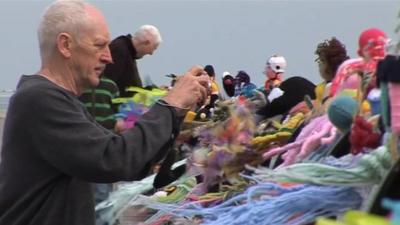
(305, 202)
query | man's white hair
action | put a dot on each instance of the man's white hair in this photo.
(67, 16)
(148, 33)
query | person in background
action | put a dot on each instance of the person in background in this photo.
(61, 147)
(125, 50)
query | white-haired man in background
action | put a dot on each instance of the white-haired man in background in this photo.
(125, 50)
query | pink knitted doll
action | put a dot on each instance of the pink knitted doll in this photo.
(319, 131)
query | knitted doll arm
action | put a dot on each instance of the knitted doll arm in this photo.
(331, 137)
(313, 141)
(279, 150)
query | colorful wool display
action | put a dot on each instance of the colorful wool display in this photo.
(325, 155)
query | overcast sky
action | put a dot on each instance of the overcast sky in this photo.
(231, 35)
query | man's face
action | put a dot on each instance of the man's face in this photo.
(91, 54)
(146, 48)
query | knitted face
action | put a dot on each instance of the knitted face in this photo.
(323, 69)
(372, 44)
(270, 73)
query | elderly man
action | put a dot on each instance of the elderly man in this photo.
(125, 50)
(52, 148)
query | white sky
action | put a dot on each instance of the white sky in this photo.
(231, 35)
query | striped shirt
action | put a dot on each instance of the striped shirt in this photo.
(98, 102)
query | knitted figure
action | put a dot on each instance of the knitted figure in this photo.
(281, 136)
(330, 54)
(319, 131)
(243, 86)
(372, 44)
(228, 83)
(274, 70)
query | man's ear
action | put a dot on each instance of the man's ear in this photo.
(64, 44)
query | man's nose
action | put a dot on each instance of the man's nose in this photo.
(106, 56)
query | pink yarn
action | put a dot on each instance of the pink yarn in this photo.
(319, 131)
(352, 82)
(313, 141)
(348, 68)
(394, 95)
(296, 144)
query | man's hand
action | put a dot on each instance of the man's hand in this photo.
(190, 89)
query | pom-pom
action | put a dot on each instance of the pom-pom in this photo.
(341, 112)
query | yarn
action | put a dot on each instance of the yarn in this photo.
(341, 112)
(318, 132)
(118, 201)
(269, 203)
(370, 170)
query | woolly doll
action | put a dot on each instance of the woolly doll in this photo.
(294, 89)
(228, 83)
(330, 54)
(205, 111)
(372, 43)
(281, 136)
(274, 70)
(319, 131)
(359, 75)
(243, 86)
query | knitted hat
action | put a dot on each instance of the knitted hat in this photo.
(242, 77)
(277, 63)
(226, 73)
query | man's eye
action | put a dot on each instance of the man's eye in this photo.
(100, 45)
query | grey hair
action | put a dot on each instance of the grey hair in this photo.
(148, 32)
(67, 16)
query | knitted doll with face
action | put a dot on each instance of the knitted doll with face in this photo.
(372, 48)
(330, 54)
(274, 70)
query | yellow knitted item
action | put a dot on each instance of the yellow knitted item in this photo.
(282, 135)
